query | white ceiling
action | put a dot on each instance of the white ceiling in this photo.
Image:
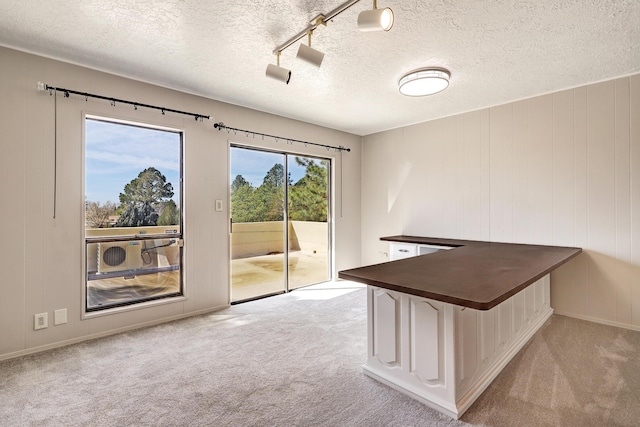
(497, 51)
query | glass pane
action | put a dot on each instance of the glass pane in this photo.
(308, 221)
(133, 178)
(131, 271)
(257, 230)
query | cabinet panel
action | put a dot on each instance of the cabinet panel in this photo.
(385, 321)
(506, 322)
(518, 311)
(425, 362)
(466, 345)
(529, 304)
(487, 335)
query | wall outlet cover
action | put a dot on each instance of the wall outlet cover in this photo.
(40, 321)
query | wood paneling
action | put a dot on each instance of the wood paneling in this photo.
(13, 172)
(501, 174)
(540, 169)
(472, 192)
(560, 169)
(563, 169)
(519, 180)
(634, 169)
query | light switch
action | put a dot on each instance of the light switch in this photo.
(60, 317)
(218, 205)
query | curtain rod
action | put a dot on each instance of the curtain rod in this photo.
(221, 126)
(44, 87)
(66, 92)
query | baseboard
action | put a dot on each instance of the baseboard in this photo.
(110, 332)
(598, 320)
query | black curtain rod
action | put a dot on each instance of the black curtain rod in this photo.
(66, 92)
(221, 126)
(201, 117)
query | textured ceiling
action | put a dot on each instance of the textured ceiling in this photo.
(497, 51)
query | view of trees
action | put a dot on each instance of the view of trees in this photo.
(143, 197)
(97, 215)
(170, 214)
(146, 201)
(307, 197)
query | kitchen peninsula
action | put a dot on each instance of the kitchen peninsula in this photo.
(441, 326)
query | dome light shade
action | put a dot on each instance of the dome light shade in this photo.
(375, 20)
(425, 81)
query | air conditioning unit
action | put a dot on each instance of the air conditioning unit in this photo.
(119, 256)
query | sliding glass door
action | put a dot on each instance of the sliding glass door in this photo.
(279, 226)
(308, 208)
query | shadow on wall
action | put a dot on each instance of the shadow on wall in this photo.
(585, 286)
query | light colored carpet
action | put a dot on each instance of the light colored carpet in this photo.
(295, 360)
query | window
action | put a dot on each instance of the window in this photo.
(133, 213)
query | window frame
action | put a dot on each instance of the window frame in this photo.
(179, 236)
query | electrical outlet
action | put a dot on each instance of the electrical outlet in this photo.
(40, 321)
(60, 317)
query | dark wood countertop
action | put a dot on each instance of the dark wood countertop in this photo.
(474, 274)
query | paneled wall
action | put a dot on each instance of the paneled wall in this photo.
(559, 169)
(41, 257)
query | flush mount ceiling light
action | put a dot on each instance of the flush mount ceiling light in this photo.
(369, 20)
(277, 72)
(375, 19)
(425, 81)
(309, 54)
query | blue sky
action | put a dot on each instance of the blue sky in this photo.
(253, 165)
(116, 154)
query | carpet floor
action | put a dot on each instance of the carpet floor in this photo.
(295, 360)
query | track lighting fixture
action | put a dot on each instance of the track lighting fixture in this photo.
(277, 72)
(309, 54)
(368, 20)
(425, 81)
(375, 19)
(315, 57)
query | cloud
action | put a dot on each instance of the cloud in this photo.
(121, 162)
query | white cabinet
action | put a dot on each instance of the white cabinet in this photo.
(402, 250)
(445, 355)
(406, 250)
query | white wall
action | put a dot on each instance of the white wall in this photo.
(559, 169)
(42, 257)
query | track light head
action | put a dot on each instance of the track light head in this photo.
(375, 20)
(278, 73)
(310, 55)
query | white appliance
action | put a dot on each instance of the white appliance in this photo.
(119, 256)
